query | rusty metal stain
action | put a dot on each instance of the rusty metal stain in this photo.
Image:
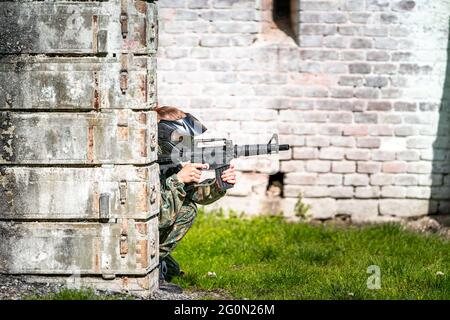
(123, 133)
(144, 283)
(96, 98)
(143, 84)
(90, 153)
(123, 81)
(97, 253)
(123, 245)
(125, 283)
(142, 173)
(142, 118)
(144, 33)
(142, 228)
(142, 199)
(122, 118)
(123, 77)
(143, 142)
(125, 226)
(141, 6)
(95, 33)
(143, 254)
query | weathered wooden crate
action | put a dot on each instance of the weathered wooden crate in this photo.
(73, 83)
(115, 137)
(96, 193)
(125, 247)
(78, 27)
(79, 186)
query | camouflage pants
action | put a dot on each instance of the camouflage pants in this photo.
(170, 236)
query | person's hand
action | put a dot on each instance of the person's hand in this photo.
(191, 172)
(229, 175)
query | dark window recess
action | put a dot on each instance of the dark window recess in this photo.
(282, 16)
(276, 184)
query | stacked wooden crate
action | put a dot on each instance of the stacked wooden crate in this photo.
(78, 180)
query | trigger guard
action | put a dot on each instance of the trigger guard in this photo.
(205, 183)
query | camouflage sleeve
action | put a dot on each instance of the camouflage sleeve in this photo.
(207, 192)
(172, 199)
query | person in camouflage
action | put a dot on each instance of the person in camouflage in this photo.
(181, 191)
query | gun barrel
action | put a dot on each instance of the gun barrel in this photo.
(258, 149)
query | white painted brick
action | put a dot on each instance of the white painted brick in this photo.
(356, 179)
(214, 41)
(380, 155)
(318, 166)
(430, 179)
(368, 167)
(343, 166)
(349, 142)
(324, 208)
(292, 140)
(357, 208)
(357, 154)
(329, 179)
(408, 155)
(249, 183)
(341, 192)
(381, 179)
(287, 206)
(405, 180)
(300, 178)
(406, 207)
(419, 167)
(393, 192)
(305, 153)
(367, 192)
(331, 153)
(418, 192)
(312, 191)
(292, 166)
(377, 105)
(317, 141)
(172, 3)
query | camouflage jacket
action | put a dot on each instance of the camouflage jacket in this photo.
(176, 194)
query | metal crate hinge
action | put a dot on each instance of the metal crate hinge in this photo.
(123, 243)
(124, 73)
(123, 192)
(104, 213)
(123, 19)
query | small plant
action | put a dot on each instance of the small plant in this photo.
(301, 209)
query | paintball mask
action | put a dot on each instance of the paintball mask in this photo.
(178, 135)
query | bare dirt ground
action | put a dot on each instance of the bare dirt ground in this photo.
(15, 288)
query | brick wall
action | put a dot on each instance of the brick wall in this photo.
(356, 89)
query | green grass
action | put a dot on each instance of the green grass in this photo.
(267, 258)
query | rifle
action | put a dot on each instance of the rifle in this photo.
(218, 153)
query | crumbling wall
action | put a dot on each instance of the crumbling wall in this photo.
(357, 87)
(78, 180)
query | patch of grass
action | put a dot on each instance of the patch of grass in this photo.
(267, 258)
(78, 294)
